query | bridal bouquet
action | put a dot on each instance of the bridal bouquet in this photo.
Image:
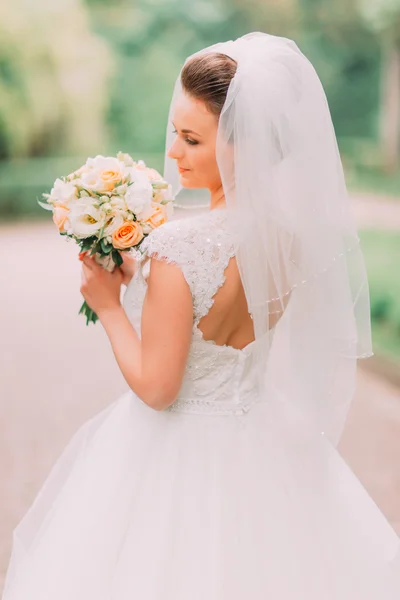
(108, 206)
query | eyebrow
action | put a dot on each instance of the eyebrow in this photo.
(187, 130)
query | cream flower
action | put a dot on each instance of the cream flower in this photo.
(85, 219)
(62, 193)
(125, 158)
(113, 222)
(139, 194)
(118, 203)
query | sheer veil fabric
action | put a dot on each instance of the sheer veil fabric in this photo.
(296, 242)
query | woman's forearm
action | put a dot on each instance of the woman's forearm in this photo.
(127, 349)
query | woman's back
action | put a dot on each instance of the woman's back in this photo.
(222, 343)
(228, 322)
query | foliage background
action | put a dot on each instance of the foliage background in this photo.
(84, 77)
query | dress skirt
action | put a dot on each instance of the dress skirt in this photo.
(166, 505)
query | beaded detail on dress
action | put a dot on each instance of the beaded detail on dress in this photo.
(218, 379)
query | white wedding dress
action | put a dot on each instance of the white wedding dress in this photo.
(223, 496)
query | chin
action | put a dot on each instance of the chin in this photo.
(186, 183)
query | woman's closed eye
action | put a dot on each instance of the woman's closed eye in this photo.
(187, 140)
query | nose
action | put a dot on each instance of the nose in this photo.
(175, 150)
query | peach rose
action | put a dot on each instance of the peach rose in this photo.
(127, 235)
(109, 178)
(158, 216)
(102, 173)
(60, 216)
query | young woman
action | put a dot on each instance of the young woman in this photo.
(216, 476)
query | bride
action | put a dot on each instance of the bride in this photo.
(216, 476)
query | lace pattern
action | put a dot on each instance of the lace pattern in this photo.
(218, 379)
(202, 249)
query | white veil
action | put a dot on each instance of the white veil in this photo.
(296, 242)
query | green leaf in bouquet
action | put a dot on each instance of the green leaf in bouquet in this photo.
(117, 258)
(87, 244)
(106, 248)
(45, 206)
(96, 249)
(90, 315)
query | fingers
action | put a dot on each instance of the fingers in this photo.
(83, 282)
(88, 260)
(86, 272)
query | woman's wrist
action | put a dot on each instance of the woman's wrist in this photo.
(108, 314)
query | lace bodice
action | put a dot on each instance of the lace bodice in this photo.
(217, 379)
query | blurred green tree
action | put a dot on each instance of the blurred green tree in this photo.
(383, 17)
(152, 40)
(364, 36)
(53, 78)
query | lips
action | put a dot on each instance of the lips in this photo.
(182, 170)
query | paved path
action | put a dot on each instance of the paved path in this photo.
(375, 212)
(55, 373)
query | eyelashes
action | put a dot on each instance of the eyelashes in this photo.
(187, 140)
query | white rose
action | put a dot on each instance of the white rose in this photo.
(125, 158)
(105, 163)
(118, 203)
(139, 194)
(92, 180)
(63, 192)
(121, 189)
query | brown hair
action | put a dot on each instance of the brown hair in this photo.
(207, 77)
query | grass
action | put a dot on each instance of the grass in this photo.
(362, 160)
(373, 181)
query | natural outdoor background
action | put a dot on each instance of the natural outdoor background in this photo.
(86, 77)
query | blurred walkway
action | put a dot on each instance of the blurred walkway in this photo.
(371, 211)
(56, 373)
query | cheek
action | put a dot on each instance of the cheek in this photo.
(204, 165)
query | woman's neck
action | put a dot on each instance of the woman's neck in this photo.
(217, 198)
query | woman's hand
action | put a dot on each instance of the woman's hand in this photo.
(128, 268)
(100, 288)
